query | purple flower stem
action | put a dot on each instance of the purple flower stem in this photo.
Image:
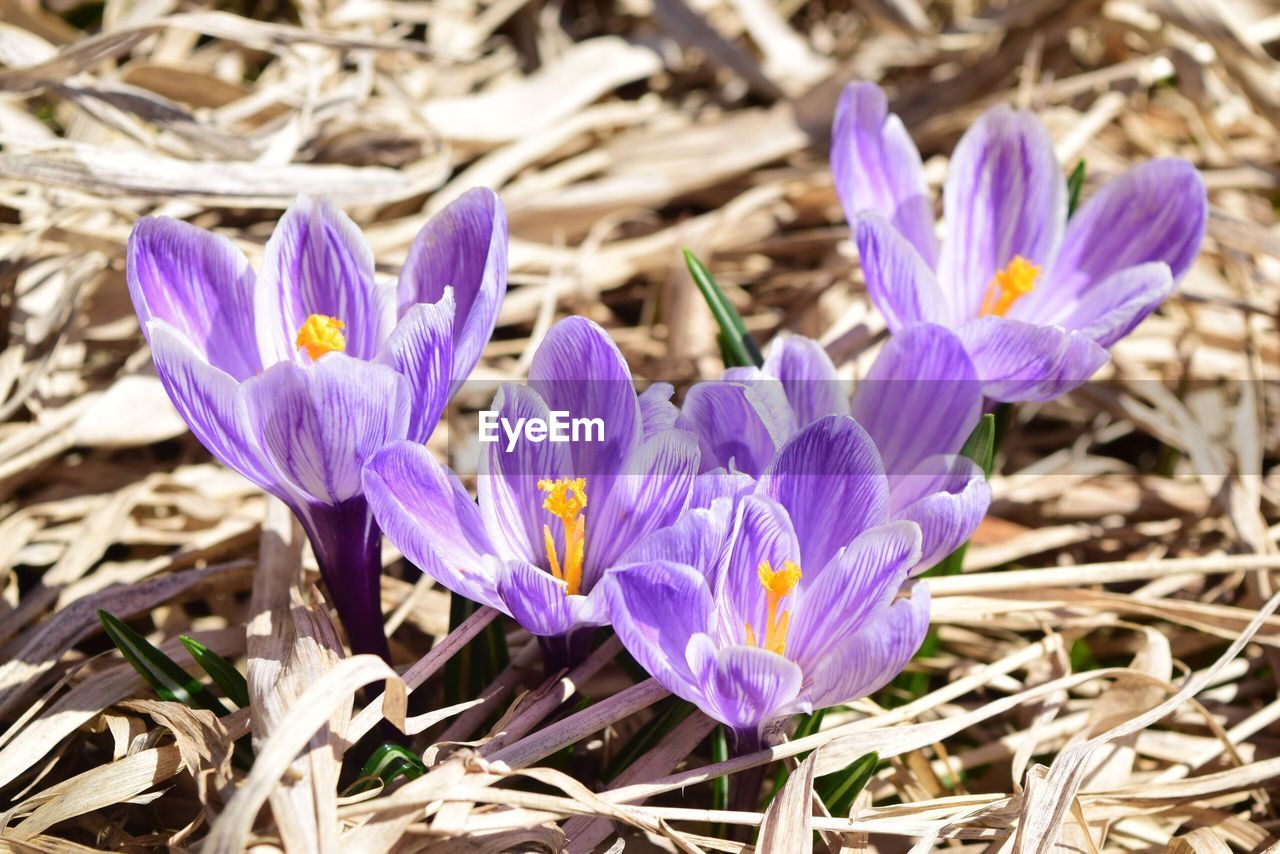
(563, 652)
(348, 547)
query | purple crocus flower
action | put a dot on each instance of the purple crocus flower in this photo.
(296, 375)
(793, 598)
(918, 403)
(1035, 299)
(552, 516)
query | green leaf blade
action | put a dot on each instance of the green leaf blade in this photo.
(737, 347)
(162, 673)
(221, 671)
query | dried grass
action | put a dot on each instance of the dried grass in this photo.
(1141, 514)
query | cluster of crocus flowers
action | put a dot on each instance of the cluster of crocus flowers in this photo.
(1035, 298)
(756, 549)
(295, 376)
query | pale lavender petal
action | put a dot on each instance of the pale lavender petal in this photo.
(537, 601)
(427, 514)
(317, 262)
(830, 480)
(657, 412)
(208, 400)
(867, 661)
(1122, 301)
(921, 397)
(655, 608)
(198, 283)
(421, 350)
(578, 369)
(507, 484)
(718, 483)
(1005, 196)
(698, 539)
(1022, 361)
(744, 687)
(761, 532)
(739, 425)
(1154, 212)
(649, 491)
(876, 167)
(947, 496)
(319, 424)
(808, 378)
(858, 582)
(463, 247)
(900, 284)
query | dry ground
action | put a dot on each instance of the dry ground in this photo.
(1125, 700)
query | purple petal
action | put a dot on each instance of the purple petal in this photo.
(900, 284)
(858, 582)
(947, 496)
(657, 412)
(318, 424)
(510, 500)
(718, 483)
(208, 400)
(698, 539)
(537, 601)
(830, 480)
(876, 167)
(421, 350)
(808, 378)
(656, 607)
(1022, 361)
(743, 687)
(317, 262)
(428, 515)
(198, 283)
(739, 425)
(866, 662)
(1121, 302)
(578, 369)
(463, 247)
(650, 491)
(1004, 197)
(761, 532)
(1153, 212)
(921, 397)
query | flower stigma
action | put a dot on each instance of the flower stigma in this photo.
(566, 499)
(321, 334)
(776, 584)
(1008, 286)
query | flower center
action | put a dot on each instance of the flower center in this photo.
(1008, 286)
(566, 499)
(776, 584)
(321, 334)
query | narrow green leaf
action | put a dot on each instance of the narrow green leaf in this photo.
(719, 785)
(981, 444)
(168, 679)
(387, 763)
(221, 671)
(737, 346)
(1075, 183)
(839, 790)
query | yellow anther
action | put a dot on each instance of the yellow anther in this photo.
(1009, 285)
(566, 499)
(321, 334)
(776, 583)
